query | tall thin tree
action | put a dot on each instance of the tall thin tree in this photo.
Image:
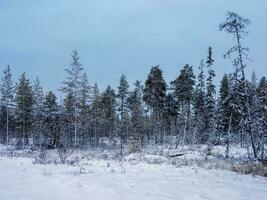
(24, 104)
(7, 93)
(123, 93)
(73, 85)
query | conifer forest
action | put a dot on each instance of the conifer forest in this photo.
(182, 130)
(190, 110)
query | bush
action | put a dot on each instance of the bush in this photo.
(254, 168)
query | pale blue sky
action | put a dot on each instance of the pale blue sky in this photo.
(123, 36)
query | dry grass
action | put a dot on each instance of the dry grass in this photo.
(254, 168)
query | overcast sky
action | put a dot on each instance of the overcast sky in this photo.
(123, 36)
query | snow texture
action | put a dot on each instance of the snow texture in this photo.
(98, 179)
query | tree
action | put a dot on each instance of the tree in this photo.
(154, 96)
(236, 25)
(7, 93)
(84, 107)
(200, 102)
(210, 99)
(136, 110)
(253, 124)
(171, 108)
(95, 113)
(24, 103)
(73, 85)
(225, 112)
(123, 92)
(38, 118)
(184, 85)
(108, 109)
(69, 120)
(224, 105)
(184, 89)
(262, 113)
(50, 110)
(134, 142)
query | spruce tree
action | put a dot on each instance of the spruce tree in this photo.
(96, 114)
(171, 108)
(225, 116)
(69, 120)
(136, 108)
(224, 106)
(51, 114)
(7, 98)
(200, 103)
(253, 124)
(38, 118)
(262, 113)
(84, 108)
(24, 104)
(234, 103)
(123, 93)
(108, 111)
(210, 106)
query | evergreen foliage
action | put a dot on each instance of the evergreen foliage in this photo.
(187, 112)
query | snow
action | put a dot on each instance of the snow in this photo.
(98, 179)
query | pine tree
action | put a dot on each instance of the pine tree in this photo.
(154, 97)
(73, 85)
(7, 93)
(123, 93)
(184, 85)
(184, 89)
(38, 118)
(210, 100)
(24, 103)
(236, 25)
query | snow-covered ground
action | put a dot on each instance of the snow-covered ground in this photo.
(99, 179)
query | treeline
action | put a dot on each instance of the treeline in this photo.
(186, 111)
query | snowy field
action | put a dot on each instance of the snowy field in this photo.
(98, 179)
